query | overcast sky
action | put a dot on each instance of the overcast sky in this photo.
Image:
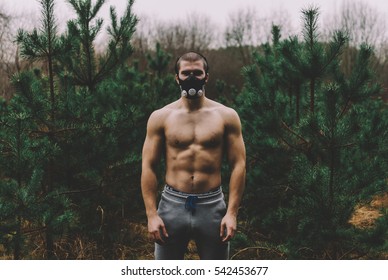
(217, 10)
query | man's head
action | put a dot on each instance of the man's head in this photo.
(191, 74)
(192, 57)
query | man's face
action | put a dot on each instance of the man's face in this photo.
(195, 68)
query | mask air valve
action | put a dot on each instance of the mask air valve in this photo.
(192, 92)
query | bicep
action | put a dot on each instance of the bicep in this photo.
(153, 144)
(235, 143)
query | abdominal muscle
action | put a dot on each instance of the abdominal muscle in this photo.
(193, 170)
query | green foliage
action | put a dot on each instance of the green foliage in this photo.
(27, 154)
(160, 62)
(312, 155)
(86, 67)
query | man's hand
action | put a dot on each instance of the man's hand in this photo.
(228, 224)
(155, 227)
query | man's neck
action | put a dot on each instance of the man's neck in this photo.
(193, 104)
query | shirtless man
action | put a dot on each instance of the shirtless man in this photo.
(194, 133)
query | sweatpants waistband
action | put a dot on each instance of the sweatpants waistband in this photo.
(202, 197)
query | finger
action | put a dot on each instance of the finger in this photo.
(160, 242)
(229, 235)
(164, 231)
(158, 239)
(155, 237)
(222, 230)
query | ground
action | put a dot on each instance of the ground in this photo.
(364, 217)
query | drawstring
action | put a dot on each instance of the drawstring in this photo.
(191, 203)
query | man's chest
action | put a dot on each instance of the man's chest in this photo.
(205, 129)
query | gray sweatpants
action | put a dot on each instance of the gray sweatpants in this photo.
(188, 216)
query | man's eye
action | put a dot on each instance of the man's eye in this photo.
(195, 73)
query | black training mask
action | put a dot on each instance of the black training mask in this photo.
(192, 87)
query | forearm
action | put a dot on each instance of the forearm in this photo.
(236, 188)
(149, 188)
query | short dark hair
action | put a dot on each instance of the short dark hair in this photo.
(191, 56)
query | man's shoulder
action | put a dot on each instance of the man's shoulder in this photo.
(158, 116)
(222, 109)
(229, 115)
(164, 110)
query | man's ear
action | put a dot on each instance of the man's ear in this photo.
(207, 77)
(177, 79)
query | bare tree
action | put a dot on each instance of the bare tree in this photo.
(247, 29)
(240, 31)
(196, 32)
(201, 32)
(363, 25)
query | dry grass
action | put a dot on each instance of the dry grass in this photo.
(365, 216)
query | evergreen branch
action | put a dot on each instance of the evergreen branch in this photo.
(48, 21)
(96, 8)
(52, 132)
(345, 108)
(310, 25)
(335, 49)
(3, 123)
(345, 145)
(32, 45)
(94, 30)
(6, 143)
(121, 35)
(79, 191)
(293, 132)
(290, 145)
(255, 159)
(112, 31)
(76, 6)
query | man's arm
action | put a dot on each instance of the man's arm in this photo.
(152, 149)
(235, 149)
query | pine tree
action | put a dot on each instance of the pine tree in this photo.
(94, 85)
(309, 161)
(66, 131)
(44, 45)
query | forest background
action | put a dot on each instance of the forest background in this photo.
(73, 114)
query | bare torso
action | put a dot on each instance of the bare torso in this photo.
(194, 145)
